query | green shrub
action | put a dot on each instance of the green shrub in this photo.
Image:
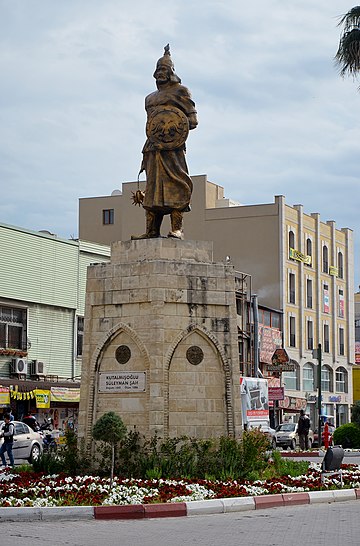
(348, 435)
(68, 458)
(50, 463)
(254, 446)
(287, 467)
(221, 458)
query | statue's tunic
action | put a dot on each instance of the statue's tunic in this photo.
(168, 184)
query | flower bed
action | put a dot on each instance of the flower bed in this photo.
(30, 489)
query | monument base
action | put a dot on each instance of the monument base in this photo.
(161, 341)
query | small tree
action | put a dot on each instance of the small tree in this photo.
(109, 429)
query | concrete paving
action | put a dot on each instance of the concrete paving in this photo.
(323, 524)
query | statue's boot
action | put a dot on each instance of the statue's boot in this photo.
(176, 218)
(153, 223)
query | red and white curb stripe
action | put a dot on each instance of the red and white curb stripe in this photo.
(177, 509)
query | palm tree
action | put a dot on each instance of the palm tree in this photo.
(347, 57)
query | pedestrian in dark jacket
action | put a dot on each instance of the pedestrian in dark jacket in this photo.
(7, 433)
(303, 430)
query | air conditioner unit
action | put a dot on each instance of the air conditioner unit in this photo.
(19, 366)
(37, 367)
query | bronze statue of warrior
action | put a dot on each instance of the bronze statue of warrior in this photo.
(170, 115)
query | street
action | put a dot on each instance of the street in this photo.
(349, 458)
(319, 525)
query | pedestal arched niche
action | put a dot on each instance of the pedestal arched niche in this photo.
(198, 388)
(122, 374)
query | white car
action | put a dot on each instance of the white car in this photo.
(286, 436)
(265, 428)
(27, 444)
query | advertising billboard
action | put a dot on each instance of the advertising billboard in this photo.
(254, 399)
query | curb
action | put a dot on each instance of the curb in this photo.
(178, 509)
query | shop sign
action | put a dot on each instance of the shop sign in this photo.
(326, 300)
(299, 256)
(276, 393)
(4, 396)
(335, 399)
(292, 403)
(42, 398)
(341, 306)
(333, 270)
(122, 382)
(281, 362)
(269, 340)
(357, 352)
(65, 394)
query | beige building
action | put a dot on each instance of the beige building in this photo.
(299, 265)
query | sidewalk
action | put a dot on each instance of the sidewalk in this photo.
(171, 510)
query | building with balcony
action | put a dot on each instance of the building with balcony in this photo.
(42, 299)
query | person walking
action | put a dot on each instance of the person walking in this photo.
(9, 411)
(303, 431)
(8, 434)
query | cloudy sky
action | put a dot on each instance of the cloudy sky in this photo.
(274, 115)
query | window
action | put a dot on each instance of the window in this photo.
(275, 321)
(267, 318)
(325, 254)
(108, 216)
(326, 343)
(292, 379)
(357, 330)
(341, 304)
(309, 249)
(341, 380)
(21, 428)
(79, 336)
(292, 337)
(341, 341)
(310, 335)
(13, 328)
(326, 379)
(291, 287)
(291, 239)
(309, 290)
(308, 377)
(340, 265)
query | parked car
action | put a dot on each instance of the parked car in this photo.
(286, 436)
(27, 443)
(265, 428)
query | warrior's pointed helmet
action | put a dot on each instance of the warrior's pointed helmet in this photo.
(166, 60)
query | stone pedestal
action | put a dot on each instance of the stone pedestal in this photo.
(160, 341)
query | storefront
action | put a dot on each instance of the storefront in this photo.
(291, 406)
(44, 400)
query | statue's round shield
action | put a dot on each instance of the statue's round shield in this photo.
(167, 127)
